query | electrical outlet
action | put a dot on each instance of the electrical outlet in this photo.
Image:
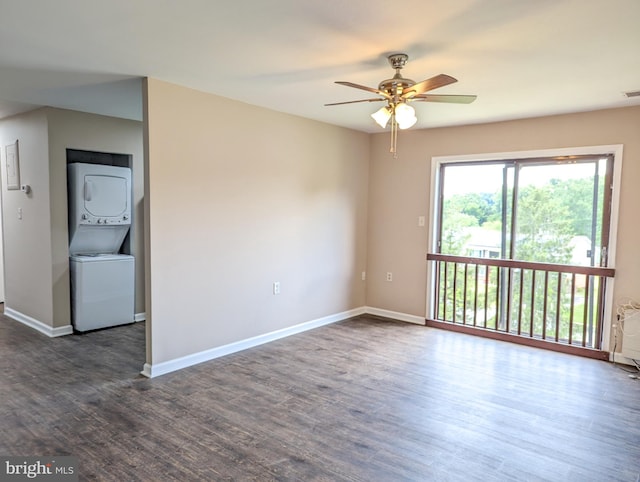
(389, 276)
(364, 275)
(276, 287)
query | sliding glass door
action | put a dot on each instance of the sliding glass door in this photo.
(544, 212)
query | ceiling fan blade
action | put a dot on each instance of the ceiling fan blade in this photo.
(364, 87)
(355, 101)
(453, 99)
(428, 84)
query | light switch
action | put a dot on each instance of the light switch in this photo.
(421, 221)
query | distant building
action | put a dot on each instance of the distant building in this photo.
(483, 243)
(486, 243)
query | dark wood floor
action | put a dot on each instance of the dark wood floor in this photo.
(361, 400)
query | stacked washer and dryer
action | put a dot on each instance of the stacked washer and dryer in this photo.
(102, 279)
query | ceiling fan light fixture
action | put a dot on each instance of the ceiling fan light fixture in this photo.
(408, 123)
(405, 116)
(382, 116)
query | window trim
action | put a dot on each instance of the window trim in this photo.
(434, 208)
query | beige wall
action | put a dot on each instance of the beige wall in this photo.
(36, 247)
(239, 197)
(27, 241)
(399, 193)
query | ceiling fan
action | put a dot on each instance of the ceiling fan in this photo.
(398, 92)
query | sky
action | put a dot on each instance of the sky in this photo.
(487, 178)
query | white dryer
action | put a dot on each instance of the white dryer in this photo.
(102, 288)
(99, 207)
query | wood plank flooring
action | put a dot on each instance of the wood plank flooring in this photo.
(361, 400)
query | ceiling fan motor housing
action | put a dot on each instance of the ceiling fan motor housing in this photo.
(397, 84)
(398, 61)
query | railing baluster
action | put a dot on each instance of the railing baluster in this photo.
(544, 307)
(475, 297)
(487, 272)
(455, 290)
(585, 310)
(436, 289)
(464, 299)
(444, 291)
(497, 298)
(598, 331)
(507, 317)
(571, 307)
(558, 305)
(437, 268)
(533, 301)
(519, 329)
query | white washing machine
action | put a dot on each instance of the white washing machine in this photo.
(103, 290)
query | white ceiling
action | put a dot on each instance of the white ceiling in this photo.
(522, 58)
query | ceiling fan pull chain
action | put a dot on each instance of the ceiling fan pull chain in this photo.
(394, 136)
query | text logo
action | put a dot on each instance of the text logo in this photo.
(50, 469)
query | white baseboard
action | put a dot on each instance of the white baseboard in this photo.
(620, 358)
(157, 369)
(140, 316)
(146, 371)
(418, 320)
(37, 324)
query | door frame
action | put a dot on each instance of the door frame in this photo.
(614, 149)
